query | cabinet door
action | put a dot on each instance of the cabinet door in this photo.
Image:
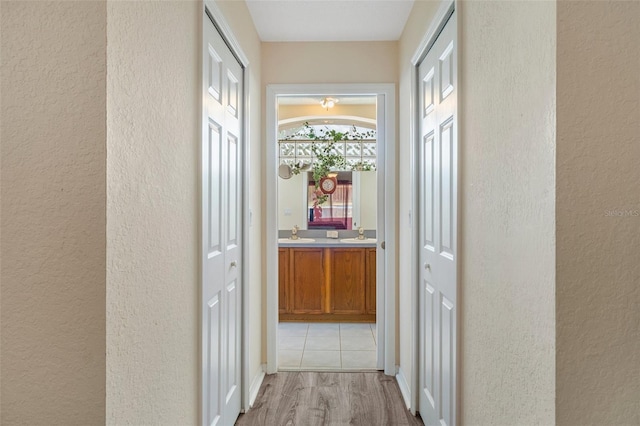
(284, 306)
(307, 280)
(371, 280)
(348, 280)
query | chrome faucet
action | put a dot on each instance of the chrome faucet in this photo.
(294, 233)
(361, 233)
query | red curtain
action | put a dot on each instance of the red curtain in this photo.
(336, 211)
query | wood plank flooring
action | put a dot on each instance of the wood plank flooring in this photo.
(304, 398)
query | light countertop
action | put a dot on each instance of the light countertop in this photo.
(327, 242)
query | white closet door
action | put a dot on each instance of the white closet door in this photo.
(221, 230)
(438, 229)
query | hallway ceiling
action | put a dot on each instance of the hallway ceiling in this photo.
(329, 20)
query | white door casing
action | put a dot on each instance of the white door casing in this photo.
(222, 227)
(437, 165)
(386, 262)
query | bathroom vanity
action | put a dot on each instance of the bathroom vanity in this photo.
(327, 280)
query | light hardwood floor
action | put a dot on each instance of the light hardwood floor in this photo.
(316, 398)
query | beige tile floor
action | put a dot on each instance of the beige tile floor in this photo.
(326, 346)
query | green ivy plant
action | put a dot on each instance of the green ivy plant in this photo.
(326, 159)
(364, 166)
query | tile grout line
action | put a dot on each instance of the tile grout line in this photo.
(340, 344)
(304, 346)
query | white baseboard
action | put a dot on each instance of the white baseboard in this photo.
(404, 387)
(255, 385)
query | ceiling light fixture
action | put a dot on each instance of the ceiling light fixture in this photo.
(328, 103)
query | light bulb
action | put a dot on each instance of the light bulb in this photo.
(328, 103)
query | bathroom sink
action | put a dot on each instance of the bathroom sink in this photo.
(357, 241)
(299, 240)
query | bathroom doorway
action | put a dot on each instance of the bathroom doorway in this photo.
(327, 157)
(327, 207)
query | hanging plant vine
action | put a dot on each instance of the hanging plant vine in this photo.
(326, 157)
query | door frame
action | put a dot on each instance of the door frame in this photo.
(386, 293)
(445, 10)
(211, 14)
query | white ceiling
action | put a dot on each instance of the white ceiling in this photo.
(329, 20)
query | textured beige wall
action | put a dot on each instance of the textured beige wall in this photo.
(417, 26)
(237, 16)
(507, 154)
(292, 111)
(329, 62)
(153, 359)
(598, 214)
(153, 115)
(507, 212)
(52, 178)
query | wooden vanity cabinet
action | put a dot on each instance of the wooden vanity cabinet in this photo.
(370, 280)
(348, 291)
(307, 280)
(327, 284)
(283, 280)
